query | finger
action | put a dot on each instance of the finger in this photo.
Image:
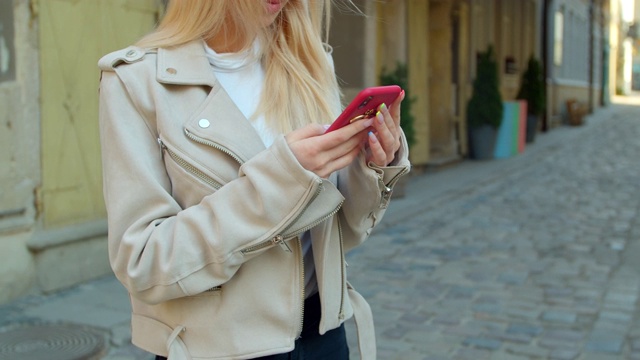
(392, 125)
(395, 108)
(304, 132)
(343, 161)
(387, 133)
(377, 154)
(315, 156)
(346, 147)
(341, 135)
(325, 166)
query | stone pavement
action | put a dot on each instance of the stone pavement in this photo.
(532, 257)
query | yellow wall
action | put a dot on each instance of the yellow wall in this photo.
(443, 142)
(418, 65)
(73, 36)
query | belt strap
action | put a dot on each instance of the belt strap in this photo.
(176, 347)
(364, 324)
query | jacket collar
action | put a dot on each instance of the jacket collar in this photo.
(185, 64)
(188, 65)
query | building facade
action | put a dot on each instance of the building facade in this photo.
(52, 216)
(575, 55)
(439, 41)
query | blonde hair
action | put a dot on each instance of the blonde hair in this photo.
(300, 83)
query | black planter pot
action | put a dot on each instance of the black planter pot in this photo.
(532, 127)
(482, 142)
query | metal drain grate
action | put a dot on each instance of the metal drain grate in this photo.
(51, 342)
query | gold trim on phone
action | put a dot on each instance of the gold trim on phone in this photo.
(369, 113)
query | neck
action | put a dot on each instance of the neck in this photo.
(228, 40)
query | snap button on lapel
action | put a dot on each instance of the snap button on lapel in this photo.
(131, 54)
(204, 123)
(171, 71)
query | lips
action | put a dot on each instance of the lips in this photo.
(273, 6)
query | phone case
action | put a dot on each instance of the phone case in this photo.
(365, 105)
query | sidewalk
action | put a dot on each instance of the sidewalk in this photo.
(449, 198)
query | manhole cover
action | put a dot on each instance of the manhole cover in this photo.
(50, 342)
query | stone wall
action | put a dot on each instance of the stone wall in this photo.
(19, 147)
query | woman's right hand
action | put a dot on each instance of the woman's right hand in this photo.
(325, 153)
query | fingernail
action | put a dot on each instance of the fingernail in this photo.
(380, 117)
(373, 137)
(326, 126)
(367, 123)
(402, 94)
(383, 107)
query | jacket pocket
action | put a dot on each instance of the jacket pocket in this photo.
(189, 183)
(214, 291)
(188, 167)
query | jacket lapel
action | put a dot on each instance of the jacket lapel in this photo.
(223, 123)
(227, 126)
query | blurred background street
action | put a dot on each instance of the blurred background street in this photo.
(531, 257)
(517, 236)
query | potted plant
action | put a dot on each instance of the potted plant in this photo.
(532, 90)
(485, 108)
(399, 76)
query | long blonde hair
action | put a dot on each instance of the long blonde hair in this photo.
(300, 84)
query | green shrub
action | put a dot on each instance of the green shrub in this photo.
(485, 105)
(532, 87)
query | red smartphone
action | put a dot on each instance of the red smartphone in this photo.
(365, 105)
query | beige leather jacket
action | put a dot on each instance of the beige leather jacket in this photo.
(204, 220)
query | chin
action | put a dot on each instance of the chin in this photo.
(269, 19)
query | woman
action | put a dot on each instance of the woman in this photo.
(229, 208)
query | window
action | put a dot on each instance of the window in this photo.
(7, 57)
(557, 38)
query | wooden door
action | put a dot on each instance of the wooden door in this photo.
(74, 34)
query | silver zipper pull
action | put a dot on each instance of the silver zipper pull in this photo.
(279, 240)
(162, 147)
(385, 193)
(161, 144)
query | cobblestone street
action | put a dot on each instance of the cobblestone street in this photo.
(540, 260)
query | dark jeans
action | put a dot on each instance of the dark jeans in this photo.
(311, 345)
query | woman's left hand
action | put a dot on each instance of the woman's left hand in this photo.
(384, 139)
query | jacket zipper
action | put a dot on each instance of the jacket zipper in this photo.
(343, 279)
(276, 240)
(209, 143)
(398, 175)
(315, 223)
(188, 167)
(302, 298)
(388, 188)
(286, 234)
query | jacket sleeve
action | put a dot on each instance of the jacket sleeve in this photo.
(367, 191)
(160, 251)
